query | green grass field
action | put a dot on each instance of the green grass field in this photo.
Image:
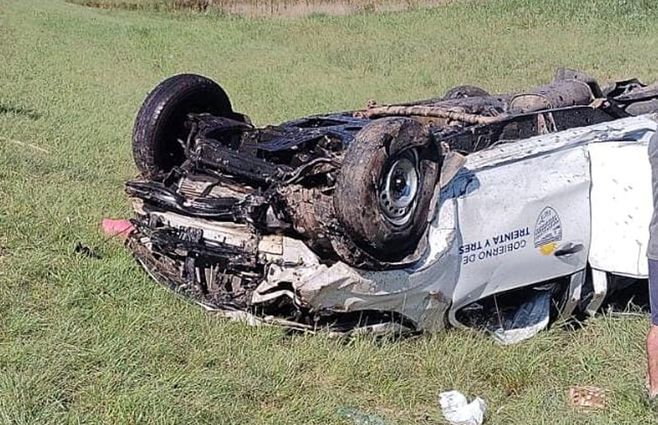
(94, 341)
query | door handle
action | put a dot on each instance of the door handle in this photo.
(568, 249)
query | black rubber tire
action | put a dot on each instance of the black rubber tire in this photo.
(356, 199)
(461, 92)
(161, 120)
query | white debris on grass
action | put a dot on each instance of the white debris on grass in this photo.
(458, 411)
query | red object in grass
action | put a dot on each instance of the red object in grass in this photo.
(117, 227)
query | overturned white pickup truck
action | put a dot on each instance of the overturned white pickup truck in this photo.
(502, 212)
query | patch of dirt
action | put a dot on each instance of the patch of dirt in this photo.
(194, 5)
(256, 8)
(297, 8)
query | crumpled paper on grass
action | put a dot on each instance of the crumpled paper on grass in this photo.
(458, 411)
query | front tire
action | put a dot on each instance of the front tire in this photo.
(386, 185)
(160, 122)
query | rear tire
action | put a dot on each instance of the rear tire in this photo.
(385, 187)
(160, 122)
(461, 92)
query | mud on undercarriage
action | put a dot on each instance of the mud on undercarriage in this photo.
(272, 224)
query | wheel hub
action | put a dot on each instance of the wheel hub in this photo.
(399, 187)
